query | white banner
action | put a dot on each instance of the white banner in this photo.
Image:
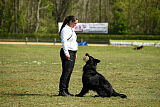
(89, 27)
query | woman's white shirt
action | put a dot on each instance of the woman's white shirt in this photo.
(68, 39)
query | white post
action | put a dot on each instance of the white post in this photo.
(26, 40)
(54, 41)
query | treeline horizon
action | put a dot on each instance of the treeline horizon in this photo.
(131, 17)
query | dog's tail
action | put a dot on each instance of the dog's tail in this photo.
(123, 96)
(118, 94)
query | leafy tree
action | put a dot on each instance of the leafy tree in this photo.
(120, 24)
(60, 9)
(42, 16)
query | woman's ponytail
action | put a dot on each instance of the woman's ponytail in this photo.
(66, 21)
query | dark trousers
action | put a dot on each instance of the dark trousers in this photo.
(67, 68)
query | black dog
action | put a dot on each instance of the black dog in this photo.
(139, 47)
(92, 80)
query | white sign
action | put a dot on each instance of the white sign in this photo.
(89, 27)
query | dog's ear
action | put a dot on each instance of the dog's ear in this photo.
(97, 60)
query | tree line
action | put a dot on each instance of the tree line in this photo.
(42, 16)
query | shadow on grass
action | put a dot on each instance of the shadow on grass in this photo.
(20, 94)
(49, 95)
(24, 94)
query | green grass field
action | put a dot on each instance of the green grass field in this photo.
(29, 76)
(143, 41)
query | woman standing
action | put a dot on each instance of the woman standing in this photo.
(67, 53)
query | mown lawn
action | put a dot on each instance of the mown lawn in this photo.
(29, 76)
(143, 41)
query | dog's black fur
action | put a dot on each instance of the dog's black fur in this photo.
(139, 47)
(92, 80)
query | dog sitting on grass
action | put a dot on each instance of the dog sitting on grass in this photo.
(92, 80)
